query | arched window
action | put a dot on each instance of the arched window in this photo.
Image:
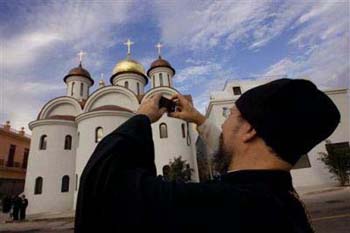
(38, 188)
(168, 80)
(65, 184)
(78, 139)
(163, 130)
(161, 79)
(126, 84)
(98, 134)
(43, 142)
(76, 182)
(72, 90)
(68, 142)
(81, 89)
(138, 88)
(183, 130)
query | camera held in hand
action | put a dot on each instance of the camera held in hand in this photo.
(168, 104)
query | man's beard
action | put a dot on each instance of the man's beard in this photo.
(222, 158)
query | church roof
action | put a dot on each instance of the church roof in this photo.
(160, 62)
(128, 66)
(112, 108)
(79, 71)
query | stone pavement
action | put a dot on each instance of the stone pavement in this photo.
(329, 208)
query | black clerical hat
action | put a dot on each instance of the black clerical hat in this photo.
(290, 115)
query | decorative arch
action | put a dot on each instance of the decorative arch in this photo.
(68, 142)
(65, 184)
(112, 95)
(98, 134)
(64, 105)
(43, 142)
(38, 188)
(163, 130)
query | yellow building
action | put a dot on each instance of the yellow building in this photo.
(14, 152)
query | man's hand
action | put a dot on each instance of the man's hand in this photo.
(186, 111)
(150, 108)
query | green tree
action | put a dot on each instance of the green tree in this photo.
(180, 170)
(337, 160)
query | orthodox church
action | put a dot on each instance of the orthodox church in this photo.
(69, 127)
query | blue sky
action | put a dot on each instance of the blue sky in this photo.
(207, 42)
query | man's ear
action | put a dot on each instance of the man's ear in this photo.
(249, 132)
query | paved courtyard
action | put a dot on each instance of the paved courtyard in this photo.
(329, 209)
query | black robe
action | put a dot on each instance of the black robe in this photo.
(120, 192)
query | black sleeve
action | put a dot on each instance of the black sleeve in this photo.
(123, 176)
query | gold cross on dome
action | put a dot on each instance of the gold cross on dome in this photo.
(159, 46)
(81, 54)
(129, 43)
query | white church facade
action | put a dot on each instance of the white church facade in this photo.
(310, 170)
(69, 127)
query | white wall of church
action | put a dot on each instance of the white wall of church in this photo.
(51, 164)
(174, 145)
(63, 109)
(113, 99)
(161, 76)
(87, 124)
(78, 87)
(136, 83)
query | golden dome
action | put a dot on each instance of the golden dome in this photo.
(128, 66)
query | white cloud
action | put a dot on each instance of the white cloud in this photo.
(21, 102)
(322, 40)
(205, 25)
(44, 29)
(25, 49)
(201, 78)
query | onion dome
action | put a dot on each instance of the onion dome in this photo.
(160, 62)
(128, 66)
(79, 71)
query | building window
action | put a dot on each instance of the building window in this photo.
(78, 139)
(168, 80)
(76, 182)
(68, 142)
(81, 89)
(237, 90)
(43, 142)
(226, 112)
(11, 157)
(138, 88)
(126, 84)
(154, 84)
(98, 134)
(65, 184)
(161, 79)
(163, 130)
(72, 90)
(303, 162)
(38, 189)
(183, 129)
(25, 158)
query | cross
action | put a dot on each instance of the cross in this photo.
(81, 54)
(159, 46)
(129, 43)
